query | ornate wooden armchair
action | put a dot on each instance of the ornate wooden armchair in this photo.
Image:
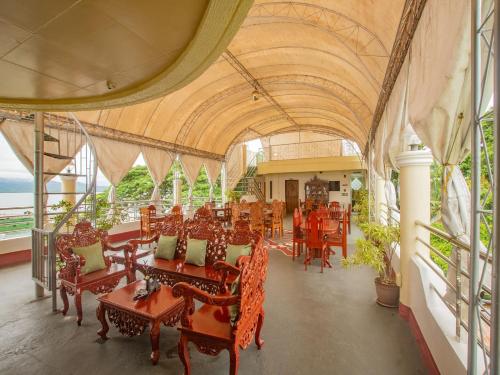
(210, 328)
(73, 282)
(340, 237)
(316, 247)
(257, 218)
(148, 224)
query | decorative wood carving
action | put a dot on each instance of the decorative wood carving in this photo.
(249, 299)
(73, 282)
(317, 190)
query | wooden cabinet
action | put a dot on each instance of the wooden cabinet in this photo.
(317, 190)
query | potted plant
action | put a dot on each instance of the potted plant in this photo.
(376, 250)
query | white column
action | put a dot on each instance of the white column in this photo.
(380, 200)
(415, 195)
(177, 188)
(223, 180)
(68, 185)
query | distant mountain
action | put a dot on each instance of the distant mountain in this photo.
(21, 185)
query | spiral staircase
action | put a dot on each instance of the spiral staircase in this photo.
(60, 141)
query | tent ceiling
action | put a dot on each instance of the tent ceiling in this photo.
(76, 54)
(321, 62)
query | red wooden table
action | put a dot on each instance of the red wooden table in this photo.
(329, 226)
(132, 317)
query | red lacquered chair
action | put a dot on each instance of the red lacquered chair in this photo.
(339, 238)
(298, 238)
(316, 247)
(323, 212)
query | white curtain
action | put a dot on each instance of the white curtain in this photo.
(21, 138)
(158, 163)
(439, 97)
(213, 168)
(234, 166)
(115, 159)
(191, 166)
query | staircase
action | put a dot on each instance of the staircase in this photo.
(250, 183)
(62, 148)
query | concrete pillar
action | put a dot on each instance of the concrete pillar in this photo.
(415, 195)
(68, 185)
(177, 188)
(380, 200)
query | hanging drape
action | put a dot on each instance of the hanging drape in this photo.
(439, 97)
(234, 166)
(158, 163)
(191, 166)
(114, 159)
(213, 168)
(21, 138)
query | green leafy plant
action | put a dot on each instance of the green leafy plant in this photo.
(362, 207)
(233, 196)
(376, 250)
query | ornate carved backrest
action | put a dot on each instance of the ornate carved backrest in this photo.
(322, 212)
(84, 234)
(241, 234)
(277, 212)
(335, 211)
(152, 209)
(210, 230)
(244, 205)
(176, 210)
(209, 205)
(251, 291)
(171, 226)
(313, 230)
(297, 220)
(145, 222)
(235, 212)
(256, 215)
(203, 213)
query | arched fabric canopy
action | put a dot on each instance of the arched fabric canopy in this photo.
(311, 65)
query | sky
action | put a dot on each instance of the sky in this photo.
(11, 167)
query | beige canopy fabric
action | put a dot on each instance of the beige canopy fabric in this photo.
(158, 163)
(21, 138)
(321, 62)
(114, 159)
(213, 168)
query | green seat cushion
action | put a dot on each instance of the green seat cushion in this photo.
(166, 247)
(233, 252)
(234, 310)
(196, 251)
(94, 259)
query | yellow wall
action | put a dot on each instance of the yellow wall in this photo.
(334, 163)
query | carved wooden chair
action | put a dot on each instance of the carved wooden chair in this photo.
(211, 328)
(335, 210)
(298, 237)
(203, 213)
(148, 225)
(316, 247)
(275, 222)
(257, 218)
(235, 213)
(177, 212)
(73, 281)
(340, 237)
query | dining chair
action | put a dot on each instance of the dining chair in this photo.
(298, 237)
(316, 247)
(257, 218)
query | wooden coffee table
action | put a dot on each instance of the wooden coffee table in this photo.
(132, 317)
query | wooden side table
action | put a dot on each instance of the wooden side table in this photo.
(132, 317)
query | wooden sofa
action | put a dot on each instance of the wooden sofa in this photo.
(73, 282)
(203, 227)
(210, 327)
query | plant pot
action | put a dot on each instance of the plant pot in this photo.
(387, 294)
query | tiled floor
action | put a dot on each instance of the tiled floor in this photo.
(315, 324)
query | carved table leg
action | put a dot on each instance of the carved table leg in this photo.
(184, 354)
(64, 297)
(101, 316)
(78, 305)
(155, 341)
(258, 341)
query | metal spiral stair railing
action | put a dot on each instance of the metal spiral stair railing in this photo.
(67, 133)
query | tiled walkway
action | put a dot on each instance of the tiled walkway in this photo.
(315, 324)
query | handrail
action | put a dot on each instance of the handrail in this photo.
(444, 235)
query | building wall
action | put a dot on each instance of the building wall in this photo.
(278, 181)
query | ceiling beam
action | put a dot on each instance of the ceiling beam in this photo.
(243, 71)
(113, 134)
(407, 26)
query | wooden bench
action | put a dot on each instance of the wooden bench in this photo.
(210, 328)
(208, 277)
